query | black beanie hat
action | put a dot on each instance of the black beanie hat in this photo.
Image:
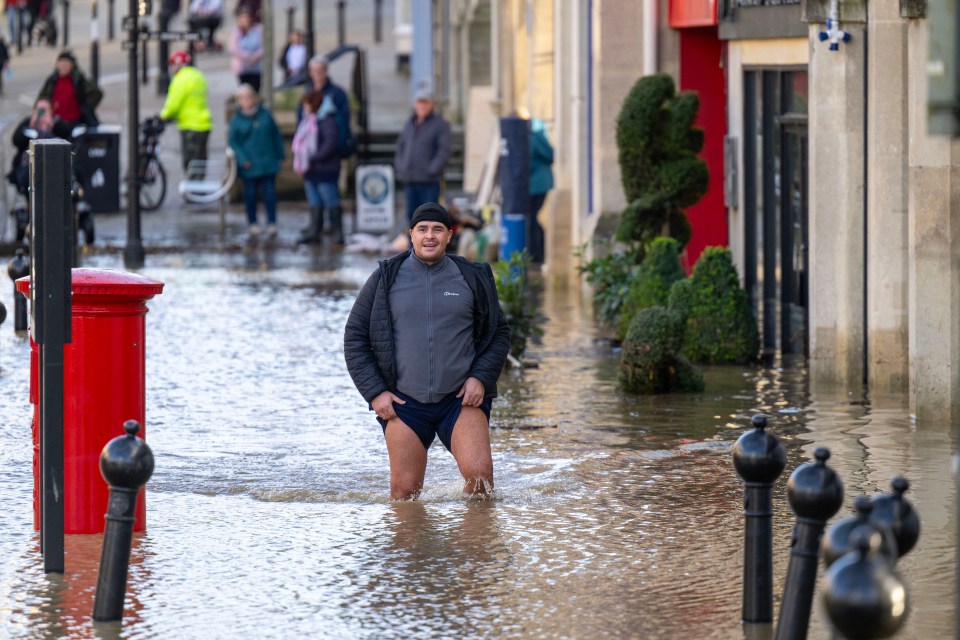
(431, 212)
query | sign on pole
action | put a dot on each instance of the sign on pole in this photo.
(375, 198)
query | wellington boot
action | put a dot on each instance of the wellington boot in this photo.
(311, 235)
(336, 224)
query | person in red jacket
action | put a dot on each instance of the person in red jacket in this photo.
(74, 97)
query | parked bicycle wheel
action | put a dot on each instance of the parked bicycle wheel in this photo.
(153, 184)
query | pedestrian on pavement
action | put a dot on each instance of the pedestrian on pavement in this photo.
(541, 182)
(37, 126)
(258, 146)
(423, 149)
(13, 17)
(205, 17)
(246, 49)
(74, 96)
(186, 103)
(293, 58)
(315, 158)
(319, 78)
(425, 344)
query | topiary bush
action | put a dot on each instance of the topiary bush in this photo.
(651, 284)
(718, 326)
(659, 167)
(650, 360)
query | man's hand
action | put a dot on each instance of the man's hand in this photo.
(472, 392)
(383, 405)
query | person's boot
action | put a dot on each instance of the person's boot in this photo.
(311, 235)
(336, 224)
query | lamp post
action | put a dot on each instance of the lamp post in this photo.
(133, 254)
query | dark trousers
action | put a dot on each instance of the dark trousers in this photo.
(252, 79)
(267, 186)
(205, 26)
(193, 146)
(419, 193)
(535, 240)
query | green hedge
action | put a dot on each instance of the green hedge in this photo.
(650, 360)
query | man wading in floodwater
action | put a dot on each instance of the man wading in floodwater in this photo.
(425, 343)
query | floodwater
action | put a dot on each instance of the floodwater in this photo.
(268, 515)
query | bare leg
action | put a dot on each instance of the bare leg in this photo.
(470, 446)
(408, 461)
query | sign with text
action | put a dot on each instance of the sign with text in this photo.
(375, 198)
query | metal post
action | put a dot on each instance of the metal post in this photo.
(94, 44)
(377, 21)
(759, 459)
(126, 463)
(290, 10)
(341, 23)
(66, 23)
(19, 27)
(163, 79)
(308, 29)
(144, 56)
(133, 254)
(815, 493)
(51, 257)
(19, 267)
(110, 16)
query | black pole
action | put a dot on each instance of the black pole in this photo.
(163, 79)
(290, 10)
(110, 16)
(19, 267)
(341, 23)
(759, 459)
(308, 18)
(133, 254)
(126, 463)
(377, 20)
(815, 493)
(19, 29)
(94, 44)
(66, 23)
(51, 258)
(144, 56)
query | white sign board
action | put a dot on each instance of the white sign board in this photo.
(375, 198)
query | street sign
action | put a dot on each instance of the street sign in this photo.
(168, 36)
(375, 198)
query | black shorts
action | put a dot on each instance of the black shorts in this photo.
(429, 420)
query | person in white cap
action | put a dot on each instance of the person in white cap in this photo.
(423, 149)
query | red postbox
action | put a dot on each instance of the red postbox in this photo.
(104, 385)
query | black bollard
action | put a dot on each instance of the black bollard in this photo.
(341, 22)
(893, 510)
(126, 463)
(838, 541)
(290, 11)
(864, 596)
(759, 459)
(66, 23)
(19, 267)
(377, 21)
(815, 493)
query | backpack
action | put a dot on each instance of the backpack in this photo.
(346, 143)
(304, 144)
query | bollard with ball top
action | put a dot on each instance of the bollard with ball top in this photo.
(126, 463)
(759, 459)
(19, 267)
(838, 540)
(864, 596)
(896, 512)
(815, 493)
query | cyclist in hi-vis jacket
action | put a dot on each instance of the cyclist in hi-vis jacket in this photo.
(187, 104)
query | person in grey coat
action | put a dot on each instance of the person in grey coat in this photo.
(423, 149)
(425, 343)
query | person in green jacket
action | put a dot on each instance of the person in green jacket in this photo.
(187, 104)
(258, 145)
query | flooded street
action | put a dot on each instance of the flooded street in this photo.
(268, 517)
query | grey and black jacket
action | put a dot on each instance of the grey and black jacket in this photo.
(368, 338)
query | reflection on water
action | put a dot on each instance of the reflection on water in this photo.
(268, 513)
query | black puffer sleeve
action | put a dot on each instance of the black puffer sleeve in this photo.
(357, 347)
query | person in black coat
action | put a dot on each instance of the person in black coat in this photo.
(425, 343)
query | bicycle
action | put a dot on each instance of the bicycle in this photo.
(151, 176)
